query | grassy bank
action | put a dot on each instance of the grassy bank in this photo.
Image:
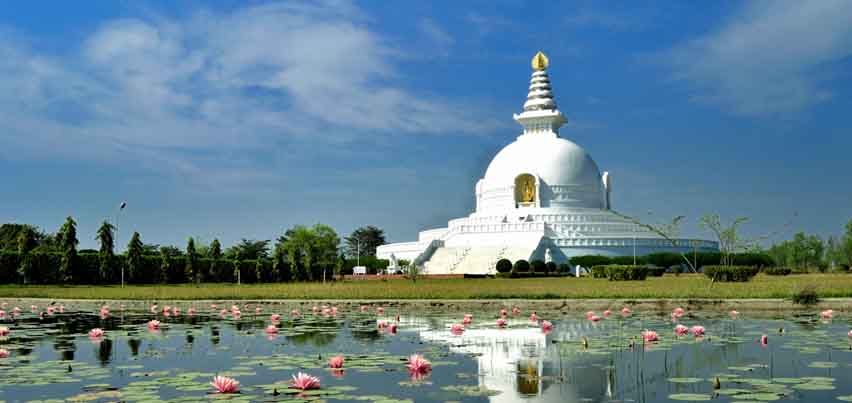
(685, 286)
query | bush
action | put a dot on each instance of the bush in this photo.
(657, 271)
(598, 271)
(807, 296)
(589, 260)
(752, 259)
(552, 268)
(521, 266)
(730, 273)
(538, 266)
(778, 271)
(565, 268)
(504, 266)
(626, 272)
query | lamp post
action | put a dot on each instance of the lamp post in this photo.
(117, 215)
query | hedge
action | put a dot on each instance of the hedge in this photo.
(657, 271)
(730, 273)
(521, 266)
(598, 271)
(626, 272)
(538, 266)
(504, 266)
(564, 268)
(777, 271)
(668, 259)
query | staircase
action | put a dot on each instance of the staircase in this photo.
(445, 260)
(473, 260)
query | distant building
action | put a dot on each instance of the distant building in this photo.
(542, 197)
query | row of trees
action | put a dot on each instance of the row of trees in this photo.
(807, 252)
(302, 253)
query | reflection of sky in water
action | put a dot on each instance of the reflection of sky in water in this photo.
(520, 362)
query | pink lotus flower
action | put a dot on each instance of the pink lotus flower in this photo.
(258, 310)
(304, 381)
(51, 310)
(61, 308)
(382, 324)
(2, 314)
(504, 312)
(175, 311)
(625, 311)
(681, 330)
(468, 319)
(827, 314)
(678, 312)
(33, 308)
(326, 312)
(154, 325)
(734, 314)
(275, 317)
(380, 310)
(501, 322)
(4, 353)
(764, 340)
(213, 307)
(650, 336)
(457, 329)
(595, 318)
(96, 333)
(190, 311)
(364, 308)
(334, 312)
(295, 312)
(850, 334)
(236, 314)
(590, 314)
(606, 313)
(336, 361)
(16, 311)
(516, 311)
(271, 329)
(418, 365)
(4, 331)
(697, 331)
(222, 313)
(392, 328)
(315, 309)
(546, 326)
(223, 384)
(534, 317)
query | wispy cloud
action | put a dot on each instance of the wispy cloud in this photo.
(180, 93)
(770, 57)
(436, 33)
(587, 18)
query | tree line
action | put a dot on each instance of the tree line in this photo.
(302, 253)
(810, 252)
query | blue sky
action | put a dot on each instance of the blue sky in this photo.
(236, 119)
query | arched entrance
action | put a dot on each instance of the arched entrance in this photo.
(526, 192)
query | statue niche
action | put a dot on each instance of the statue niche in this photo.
(525, 190)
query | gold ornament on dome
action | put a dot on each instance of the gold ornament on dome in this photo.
(540, 61)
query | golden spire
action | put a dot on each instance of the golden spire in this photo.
(539, 61)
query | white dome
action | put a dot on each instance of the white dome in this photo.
(567, 175)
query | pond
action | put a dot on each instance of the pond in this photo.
(52, 357)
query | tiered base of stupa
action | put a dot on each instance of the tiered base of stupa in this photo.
(474, 244)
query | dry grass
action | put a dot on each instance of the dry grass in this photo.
(685, 286)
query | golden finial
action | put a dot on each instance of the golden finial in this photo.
(539, 61)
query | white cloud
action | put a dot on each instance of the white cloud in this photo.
(770, 57)
(436, 33)
(163, 91)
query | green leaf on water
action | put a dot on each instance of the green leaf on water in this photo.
(695, 397)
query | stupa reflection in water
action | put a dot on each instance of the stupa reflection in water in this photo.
(524, 363)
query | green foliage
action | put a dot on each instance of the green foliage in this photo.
(249, 249)
(521, 266)
(364, 240)
(215, 250)
(311, 252)
(503, 266)
(730, 273)
(801, 253)
(538, 266)
(807, 296)
(191, 269)
(10, 262)
(551, 268)
(68, 243)
(625, 272)
(657, 271)
(565, 268)
(598, 271)
(134, 258)
(106, 238)
(589, 260)
(627, 260)
(778, 271)
(664, 259)
(729, 238)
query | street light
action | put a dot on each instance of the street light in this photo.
(120, 209)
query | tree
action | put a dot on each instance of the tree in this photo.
(26, 242)
(311, 252)
(165, 264)
(106, 237)
(215, 250)
(846, 244)
(191, 268)
(68, 243)
(364, 240)
(170, 250)
(728, 237)
(134, 256)
(280, 270)
(248, 249)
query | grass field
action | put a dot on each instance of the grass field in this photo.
(685, 286)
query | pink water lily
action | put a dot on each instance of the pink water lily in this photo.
(4, 331)
(590, 314)
(223, 384)
(271, 329)
(304, 381)
(625, 311)
(61, 308)
(381, 324)
(258, 310)
(380, 310)
(606, 313)
(364, 308)
(534, 317)
(295, 312)
(595, 318)
(154, 308)
(501, 322)
(468, 318)
(697, 330)
(418, 365)
(678, 312)
(516, 311)
(4, 353)
(681, 330)
(504, 312)
(650, 336)
(546, 326)
(457, 329)
(51, 310)
(734, 314)
(392, 328)
(764, 340)
(850, 334)
(16, 311)
(275, 317)
(190, 311)
(827, 314)
(96, 333)
(336, 362)
(154, 325)
(2, 314)
(33, 308)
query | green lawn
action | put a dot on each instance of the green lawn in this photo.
(685, 286)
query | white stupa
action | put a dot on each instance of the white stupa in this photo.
(542, 197)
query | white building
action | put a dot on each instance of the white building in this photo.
(542, 197)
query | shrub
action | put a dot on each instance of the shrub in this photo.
(778, 271)
(752, 259)
(589, 260)
(521, 266)
(565, 268)
(730, 273)
(626, 272)
(504, 266)
(807, 296)
(552, 268)
(538, 266)
(598, 271)
(657, 271)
